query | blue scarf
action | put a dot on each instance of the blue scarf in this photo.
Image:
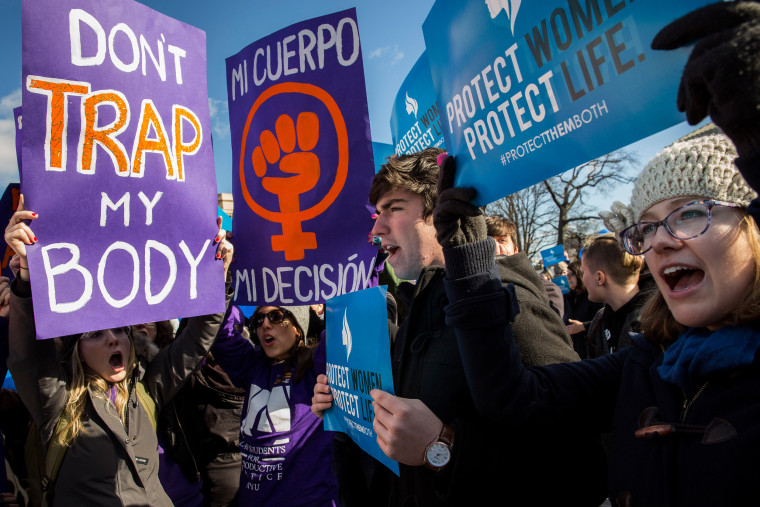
(698, 353)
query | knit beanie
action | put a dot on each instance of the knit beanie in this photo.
(301, 315)
(700, 165)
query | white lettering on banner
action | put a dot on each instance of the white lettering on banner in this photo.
(301, 284)
(338, 375)
(347, 402)
(525, 107)
(561, 129)
(139, 52)
(298, 53)
(490, 109)
(53, 270)
(415, 139)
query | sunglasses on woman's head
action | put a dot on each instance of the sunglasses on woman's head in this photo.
(94, 336)
(275, 316)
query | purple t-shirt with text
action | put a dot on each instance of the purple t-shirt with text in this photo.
(286, 455)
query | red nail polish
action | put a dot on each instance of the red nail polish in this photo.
(35, 240)
(34, 214)
(218, 255)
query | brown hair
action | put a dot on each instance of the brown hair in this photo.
(164, 333)
(501, 227)
(606, 254)
(416, 173)
(82, 376)
(576, 269)
(658, 323)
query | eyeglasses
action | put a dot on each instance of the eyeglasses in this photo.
(100, 335)
(275, 316)
(686, 222)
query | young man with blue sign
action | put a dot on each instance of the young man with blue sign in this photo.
(451, 452)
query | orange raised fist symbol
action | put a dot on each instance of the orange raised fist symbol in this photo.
(303, 164)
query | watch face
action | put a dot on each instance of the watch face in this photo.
(438, 454)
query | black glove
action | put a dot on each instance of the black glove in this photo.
(456, 220)
(722, 75)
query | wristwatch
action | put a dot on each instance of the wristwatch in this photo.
(438, 452)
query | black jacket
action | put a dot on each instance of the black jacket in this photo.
(686, 467)
(611, 330)
(489, 460)
(578, 307)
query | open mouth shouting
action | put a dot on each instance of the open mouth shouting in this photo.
(117, 361)
(681, 278)
(391, 249)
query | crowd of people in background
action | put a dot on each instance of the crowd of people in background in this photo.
(639, 386)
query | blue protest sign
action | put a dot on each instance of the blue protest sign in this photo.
(226, 219)
(358, 360)
(553, 255)
(528, 90)
(381, 152)
(302, 159)
(563, 283)
(415, 118)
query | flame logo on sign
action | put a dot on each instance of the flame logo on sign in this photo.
(411, 105)
(509, 6)
(291, 149)
(346, 334)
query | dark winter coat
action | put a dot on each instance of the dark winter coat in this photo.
(686, 467)
(107, 464)
(578, 307)
(488, 460)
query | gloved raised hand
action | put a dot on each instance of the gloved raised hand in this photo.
(456, 220)
(722, 75)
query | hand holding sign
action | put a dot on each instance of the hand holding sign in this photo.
(322, 399)
(722, 75)
(224, 250)
(456, 220)
(18, 234)
(404, 427)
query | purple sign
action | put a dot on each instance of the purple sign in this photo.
(302, 164)
(118, 164)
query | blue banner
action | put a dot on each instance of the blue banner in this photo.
(358, 360)
(226, 219)
(553, 255)
(563, 283)
(381, 153)
(528, 90)
(415, 118)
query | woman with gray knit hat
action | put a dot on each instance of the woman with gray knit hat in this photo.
(286, 455)
(682, 403)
